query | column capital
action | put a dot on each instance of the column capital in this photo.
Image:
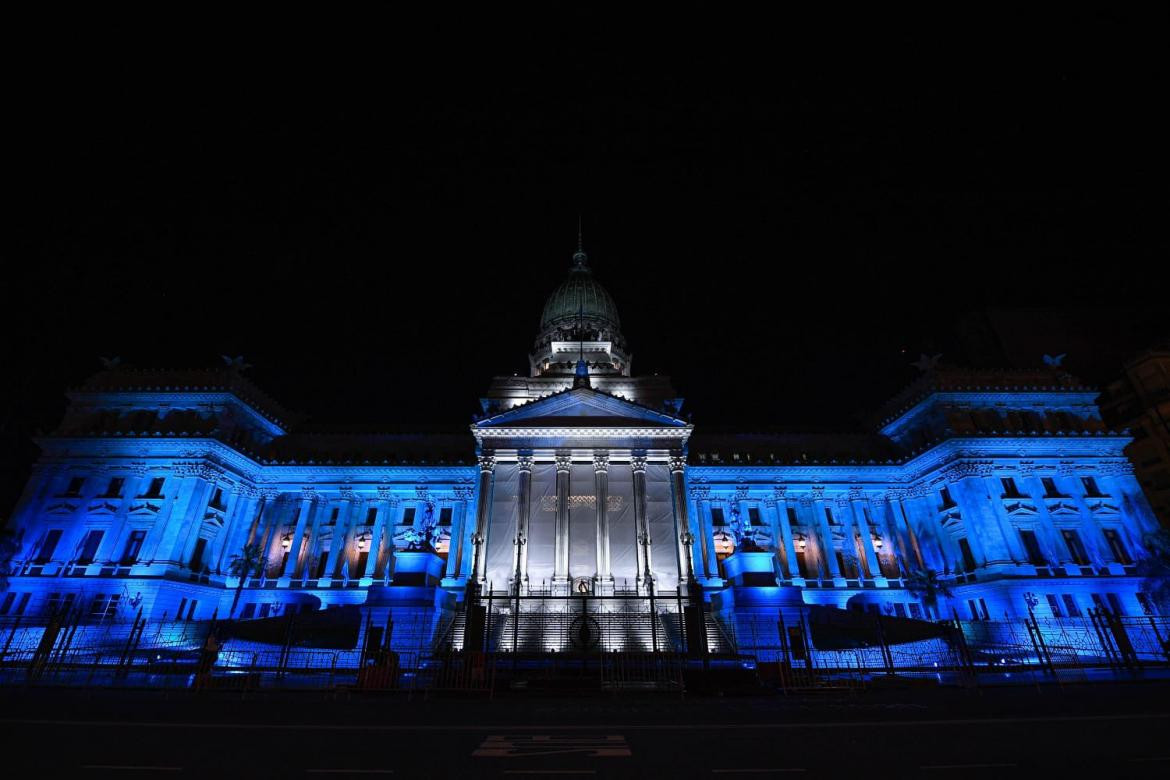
(487, 462)
(638, 461)
(601, 461)
(701, 492)
(525, 461)
(564, 462)
(677, 463)
(309, 493)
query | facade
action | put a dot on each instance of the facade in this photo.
(1140, 401)
(581, 479)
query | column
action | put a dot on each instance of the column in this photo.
(1012, 543)
(1091, 535)
(524, 465)
(297, 540)
(376, 544)
(702, 497)
(487, 468)
(901, 519)
(341, 562)
(867, 548)
(166, 529)
(231, 522)
(825, 542)
(603, 581)
(111, 546)
(307, 562)
(645, 563)
(561, 546)
(458, 535)
(780, 507)
(682, 523)
(1049, 536)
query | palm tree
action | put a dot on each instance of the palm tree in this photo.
(248, 563)
(926, 585)
(1154, 567)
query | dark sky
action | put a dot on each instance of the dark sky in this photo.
(786, 213)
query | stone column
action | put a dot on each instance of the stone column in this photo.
(785, 525)
(116, 533)
(603, 582)
(866, 533)
(459, 534)
(1091, 534)
(524, 465)
(375, 548)
(308, 560)
(231, 515)
(682, 522)
(915, 562)
(171, 519)
(297, 540)
(702, 497)
(825, 542)
(1049, 537)
(645, 562)
(564, 464)
(483, 514)
(342, 568)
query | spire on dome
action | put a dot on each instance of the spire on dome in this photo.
(580, 259)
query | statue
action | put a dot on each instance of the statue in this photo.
(742, 531)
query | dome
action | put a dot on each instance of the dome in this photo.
(579, 296)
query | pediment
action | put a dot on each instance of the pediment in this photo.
(582, 408)
(1063, 509)
(145, 508)
(1020, 508)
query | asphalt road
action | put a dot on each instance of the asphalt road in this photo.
(1105, 731)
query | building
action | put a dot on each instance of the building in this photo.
(580, 481)
(1140, 402)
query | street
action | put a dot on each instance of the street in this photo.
(1114, 730)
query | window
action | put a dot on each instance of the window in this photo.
(372, 515)
(791, 515)
(179, 611)
(1054, 605)
(915, 610)
(1120, 554)
(974, 609)
(7, 603)
(265, 610)
(249, 611)
(968, 558)
(1099, 602)
(133, 547)
(408, 516)
(191, 609)
(89, 546)
(947, 501)
(196, 562)
(900, 609)
(1115, 604)
(1009, 488)
(104, 605)
(754, 515)
(114, 489)
(1142, 597)
(1032, 548)
(1070, 605)
(21, 604)
(59, 603)
(1091, 489)
(445, 515)
(75, 485)
(983, 609)
(322, 562)
(154, 490)
(1050, 488)
(829, 516)
(1076, 549)
(48, 546)
(717, 516)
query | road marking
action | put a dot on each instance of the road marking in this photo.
(964, 766)
(510, 746)
(133, 767)
(783, 726)
(758, 771)
(550, 771)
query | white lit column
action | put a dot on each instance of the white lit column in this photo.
(561, 544)
(524, 466)
(683, 537)
(604, 578)
(645, 561)
(487, 468)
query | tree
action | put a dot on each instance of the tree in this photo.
(926, 585)
(1154, 567)
(249, 562)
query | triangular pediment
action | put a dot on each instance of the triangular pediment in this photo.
(581, 407)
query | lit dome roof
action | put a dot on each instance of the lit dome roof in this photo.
(579, 296)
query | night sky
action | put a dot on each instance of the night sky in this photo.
(785, 216)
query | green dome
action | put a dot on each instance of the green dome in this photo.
(579, 296)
